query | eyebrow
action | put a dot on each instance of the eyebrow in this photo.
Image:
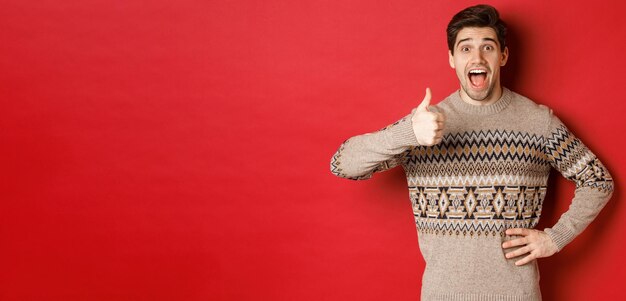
(469, 39)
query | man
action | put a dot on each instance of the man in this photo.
(477, 166)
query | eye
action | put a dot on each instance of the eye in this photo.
(489, 47)
(465, 49)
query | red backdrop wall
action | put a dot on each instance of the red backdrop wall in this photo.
(179, 150)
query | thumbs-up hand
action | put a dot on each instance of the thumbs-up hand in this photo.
(427, 126)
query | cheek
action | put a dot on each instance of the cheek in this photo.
(460, 74)
(460, 66)
(497, 61)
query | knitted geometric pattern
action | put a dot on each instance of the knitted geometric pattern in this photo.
(569, 154)
(478, 210)
(477, 183)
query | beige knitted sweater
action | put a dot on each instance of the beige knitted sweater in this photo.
(489, 174)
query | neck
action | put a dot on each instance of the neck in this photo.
(494, 97)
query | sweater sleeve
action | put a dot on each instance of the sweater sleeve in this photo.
(361, 156)
(594, 185)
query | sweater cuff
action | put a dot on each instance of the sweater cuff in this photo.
(402, 135)
(560, 236)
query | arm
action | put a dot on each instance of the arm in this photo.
(594, 185)
(360, 156)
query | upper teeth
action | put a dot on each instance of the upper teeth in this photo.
(477, 71)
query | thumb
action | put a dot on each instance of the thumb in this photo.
(423, 106)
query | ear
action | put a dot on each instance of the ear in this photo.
(451, 59)
(505, 56)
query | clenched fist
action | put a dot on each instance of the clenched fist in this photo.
(427, 126)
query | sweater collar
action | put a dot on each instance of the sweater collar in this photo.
(493, 108)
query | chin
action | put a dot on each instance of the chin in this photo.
(478, 95)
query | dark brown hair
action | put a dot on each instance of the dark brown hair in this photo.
(476, 16)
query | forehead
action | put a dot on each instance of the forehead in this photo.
(476, 34)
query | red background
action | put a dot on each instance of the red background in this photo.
(179, 150)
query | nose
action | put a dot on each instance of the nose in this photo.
(477, 57)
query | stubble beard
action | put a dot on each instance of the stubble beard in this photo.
(478, 96)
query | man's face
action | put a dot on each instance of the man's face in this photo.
(477, 60)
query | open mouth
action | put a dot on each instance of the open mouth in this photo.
(478, 78)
